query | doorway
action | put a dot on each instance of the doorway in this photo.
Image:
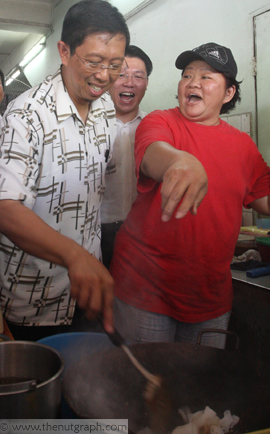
(262, 82)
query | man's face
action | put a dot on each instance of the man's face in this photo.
(82, 83)
(202, 92)
(128, 91)
(2, 93)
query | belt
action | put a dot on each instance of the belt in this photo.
(111, 226)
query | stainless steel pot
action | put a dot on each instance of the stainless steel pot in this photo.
(30, 381)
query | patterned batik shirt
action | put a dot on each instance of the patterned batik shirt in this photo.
(55, 165)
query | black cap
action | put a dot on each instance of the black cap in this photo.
(217, 56)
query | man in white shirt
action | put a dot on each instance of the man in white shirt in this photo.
(55, 143)
(127, 93)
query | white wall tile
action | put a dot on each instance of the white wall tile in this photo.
(235, 121)
(242, 122)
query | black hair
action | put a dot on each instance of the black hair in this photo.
(92, 16)
(2, 78)
(133, 51)
(228, 106)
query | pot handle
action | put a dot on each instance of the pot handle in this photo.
(199, 337)
(22, 386)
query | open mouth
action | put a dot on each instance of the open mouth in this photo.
(127, 96)
(192, 97)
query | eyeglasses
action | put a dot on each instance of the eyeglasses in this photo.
(136, 77)
(96, 67)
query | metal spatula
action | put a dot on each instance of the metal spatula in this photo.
(156, 394)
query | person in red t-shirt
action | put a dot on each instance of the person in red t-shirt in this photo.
(171, 267)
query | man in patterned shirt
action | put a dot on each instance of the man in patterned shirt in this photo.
(55, 142)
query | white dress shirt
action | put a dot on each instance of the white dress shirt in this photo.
(121, 182)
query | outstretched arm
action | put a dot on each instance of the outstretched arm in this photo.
(182, 177)
(91, 283)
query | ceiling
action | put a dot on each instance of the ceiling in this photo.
(21, 18)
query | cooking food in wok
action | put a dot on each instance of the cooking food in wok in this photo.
(106, 385)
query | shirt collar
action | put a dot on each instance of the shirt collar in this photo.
(66, 108)
(140, 115)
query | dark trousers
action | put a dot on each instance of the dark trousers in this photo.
(108, 233)
(34, 333)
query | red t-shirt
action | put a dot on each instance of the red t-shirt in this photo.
(181, 268)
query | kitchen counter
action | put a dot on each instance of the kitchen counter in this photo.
(250, 317)
(261, 281)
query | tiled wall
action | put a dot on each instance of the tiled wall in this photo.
(243, 123)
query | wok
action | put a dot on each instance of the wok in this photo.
(105, 385)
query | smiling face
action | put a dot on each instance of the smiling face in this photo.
(202, 91)
(83, 85)
(128, 92)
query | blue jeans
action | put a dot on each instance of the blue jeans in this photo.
(137, 325)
